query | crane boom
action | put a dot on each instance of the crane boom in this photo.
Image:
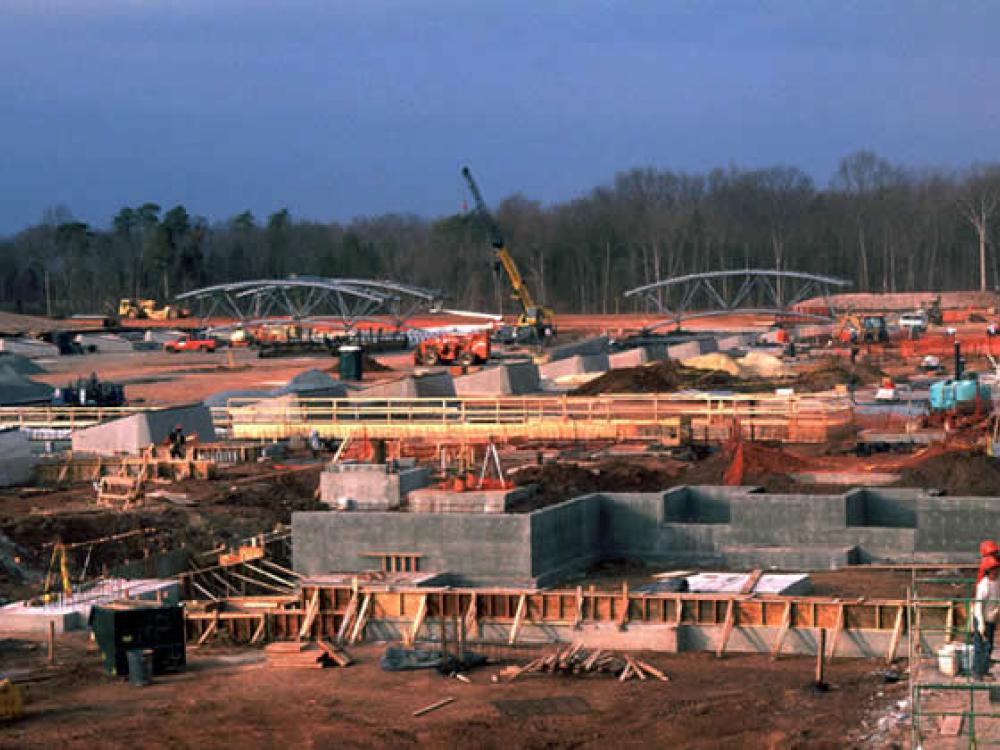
(531, 314)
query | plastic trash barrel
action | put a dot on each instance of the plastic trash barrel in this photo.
(350, 362)
(140, 666)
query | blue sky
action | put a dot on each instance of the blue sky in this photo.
(338, 109)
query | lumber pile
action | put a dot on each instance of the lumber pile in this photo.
(576, 660)
(305, 655)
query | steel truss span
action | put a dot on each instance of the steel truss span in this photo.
(310, 298)
(751, 291)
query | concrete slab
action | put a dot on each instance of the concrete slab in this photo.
(28, 347)
(575, 365)
(789, 584)
(426, 385)
(131, 434)
(596, 345)
(72, 613)
(630, 358)
(686, 350)
(513, 379)
(104, 343)
(436, 500)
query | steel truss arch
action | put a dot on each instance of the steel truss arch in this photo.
(762, 291)
(310, 298)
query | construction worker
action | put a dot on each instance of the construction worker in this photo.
(988, 551)
(177, 440)
(985, 609)
(315, 444)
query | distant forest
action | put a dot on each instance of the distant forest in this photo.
(884, 227)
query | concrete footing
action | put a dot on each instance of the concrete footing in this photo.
(73, 612)
(434, 500)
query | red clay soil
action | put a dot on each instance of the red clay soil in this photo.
(557, 482)
(660, 377)
(740, 701)
(957, 473)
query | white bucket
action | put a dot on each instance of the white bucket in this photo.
(948, 660)
(954, 658)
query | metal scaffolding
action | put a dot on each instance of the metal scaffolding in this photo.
(309, 298)
(947, 711)
(752, 290)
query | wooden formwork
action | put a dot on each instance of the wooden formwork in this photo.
(327, 610)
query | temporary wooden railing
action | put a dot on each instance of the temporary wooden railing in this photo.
(409, 607)
(800, 418)
(793, 417)
(62, 417)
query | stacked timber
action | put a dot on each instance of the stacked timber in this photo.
(305, 655)
(576, 660)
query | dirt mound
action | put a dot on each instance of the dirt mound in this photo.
(833, 371)
(562, 481)
(371, 364)
(659, 377)
(957, 473)
(281, 497)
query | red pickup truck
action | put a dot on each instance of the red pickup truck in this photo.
(190, 344)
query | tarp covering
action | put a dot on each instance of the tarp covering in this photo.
(16, 389)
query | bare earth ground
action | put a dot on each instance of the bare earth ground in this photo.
(229, 697)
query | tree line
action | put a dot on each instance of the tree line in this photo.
(884, 227)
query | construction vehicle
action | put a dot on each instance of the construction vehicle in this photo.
(535, 322)
(89, 392)
(146, 309)
(191, 343)
(862, 329)
(453, 348)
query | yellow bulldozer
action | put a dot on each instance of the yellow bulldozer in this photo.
(146, 309)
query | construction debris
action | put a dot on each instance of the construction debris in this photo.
(434, 706)
(575, 660)
(305, 655)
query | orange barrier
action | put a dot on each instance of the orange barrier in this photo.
(938, 345)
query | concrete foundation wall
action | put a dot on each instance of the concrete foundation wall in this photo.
(565, 538)
(477, 549)
(734, 527)
(370, 486)
(133, 433)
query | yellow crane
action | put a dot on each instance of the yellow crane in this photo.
(533, 319)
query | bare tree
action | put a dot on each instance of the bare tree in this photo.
(978, 204)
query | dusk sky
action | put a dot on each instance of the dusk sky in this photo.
(339, 109)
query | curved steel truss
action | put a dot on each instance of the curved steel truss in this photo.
(310, 298)
(753, 291)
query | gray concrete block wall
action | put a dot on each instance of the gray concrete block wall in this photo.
(486, 550)
(370, 486)
(565, 538)
(711, 525)
(944, 522)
